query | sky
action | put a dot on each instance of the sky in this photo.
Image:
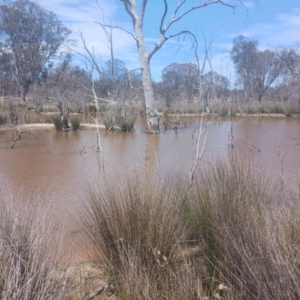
(274, 24)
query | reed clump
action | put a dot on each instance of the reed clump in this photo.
(135, 228)
(75, 122)
(229, 235)
(57, 122)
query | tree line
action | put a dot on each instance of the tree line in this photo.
(35, 66)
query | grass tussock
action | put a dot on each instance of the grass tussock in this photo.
(29, 254)
(245, 235)
(3, 118)
(57, 122)
(46, 109)
(75, 122)
(122, 117)
(136, 228)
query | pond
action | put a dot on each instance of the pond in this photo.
(59, 164)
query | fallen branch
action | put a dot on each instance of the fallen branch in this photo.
(19, 137)
(253, 145)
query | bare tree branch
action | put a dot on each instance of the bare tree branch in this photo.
(128, 7)
(163, 37)
(163, 16)
(118, 27)
(206, 3)
(143, 8)
(91, 56)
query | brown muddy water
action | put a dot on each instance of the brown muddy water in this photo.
(57, 165)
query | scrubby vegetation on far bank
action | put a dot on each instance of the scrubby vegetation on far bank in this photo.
(123, 117)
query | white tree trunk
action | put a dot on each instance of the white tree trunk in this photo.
(151, 111)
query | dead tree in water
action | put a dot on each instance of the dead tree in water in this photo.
(19, 136)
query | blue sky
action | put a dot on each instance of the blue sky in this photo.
(274, 23)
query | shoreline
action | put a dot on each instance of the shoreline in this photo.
(48, 126)
(92, 126)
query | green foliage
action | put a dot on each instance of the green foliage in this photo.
(126, 124)
(49, 108)
(75, 122)
(57, 121)
(289, 110)
(261, 110)
(276, 109)
(223, 110)
(91, 107)
(250, 110)
(109, 122)
(122, 117)
(21, 104)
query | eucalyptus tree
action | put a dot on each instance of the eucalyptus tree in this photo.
(136, 11)
(256, 70)
(33, 36)
(215, 86)
(179, 81)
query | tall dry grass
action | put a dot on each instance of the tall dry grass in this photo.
(29, 253)
(249, 241)
(136, 225)
(225, 237)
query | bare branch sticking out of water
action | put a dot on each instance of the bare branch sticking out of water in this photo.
(252, 145)
(19, 136)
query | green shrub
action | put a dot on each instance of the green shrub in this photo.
(109, 122)
(223, 110)
(49, 108)
(75, 122)
(91, 107)
(261, 110)
(21, 104)
(57, 122)
(276, 109)
(287, 111)
(250, 110)
(126, 124)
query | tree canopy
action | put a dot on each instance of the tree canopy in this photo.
(33, 36)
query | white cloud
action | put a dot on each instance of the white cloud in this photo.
(283, 31)
(82, 17)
